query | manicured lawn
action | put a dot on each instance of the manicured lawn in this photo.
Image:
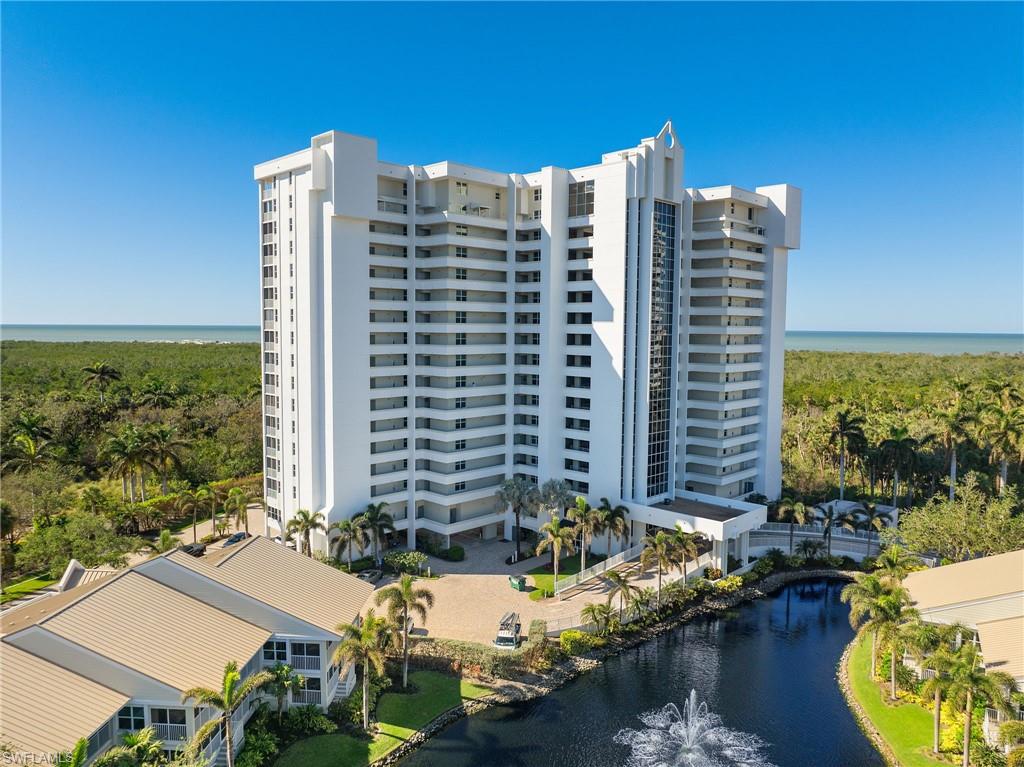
(907, 727)
(399, 716)
(544, 579)
(25, 587)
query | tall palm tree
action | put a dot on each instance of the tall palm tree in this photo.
(128, 454)
(661, 551)
(1002, 429)
(283, 680)
(900, 449)
(187, 503)
(517, 493)
(237, 504)
(613, 520)
(894, 563)
(31, 424)
(100, 375)
(557, 536)
(555, 496)
(363, 643)
(401, 599)
(954, 425)
(934, 647)
(302, 525)
(687, 546)
(205, 496)
(863, 597)
(587, 522)
(872, 519)
(846, 428)
(350, 533)
(830, 516)
(165, 451)
(893, 610)
(233, 691)
(29, 454)
(378, 524)
(969, 682)
(619, 586)
(793, 511)
(809, 548)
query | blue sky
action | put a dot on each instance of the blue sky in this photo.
(130, 131)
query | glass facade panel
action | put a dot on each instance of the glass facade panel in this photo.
(663, 277)
(581, 199)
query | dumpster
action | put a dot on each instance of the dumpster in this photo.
(518, 582)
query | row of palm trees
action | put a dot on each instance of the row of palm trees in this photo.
(991, 415)
(863, 516)
(234, 503)
(879, 604)
(370, 526)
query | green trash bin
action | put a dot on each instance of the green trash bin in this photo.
(517, 582)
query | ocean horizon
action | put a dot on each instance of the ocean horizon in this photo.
(796, 340)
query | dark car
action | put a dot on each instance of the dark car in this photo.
(195, 549)
(238, 537)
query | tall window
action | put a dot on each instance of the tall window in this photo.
(663, 274)
(581, 198)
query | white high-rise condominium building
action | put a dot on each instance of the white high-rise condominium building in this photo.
(429, 331)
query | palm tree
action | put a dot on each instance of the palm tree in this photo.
(862, 595)
(92, 500)
(894, 563)
(31, 424)
(829, 518)
(555, 496)
(78, 755)
(164, 543)
(793, 511)
(155, 392)
(556, 535)
(140, 747)
(164, 449)
(809, 548)
(846, 428)
(1002, 428)
(378, 524)
(598, 613)
(302, 525)
(954, 428)
(205, 495)
(933, 647)
(362, 643)
(283, 680)
(237, 504)
(619, 586)
(517, 493)
(128, 453)
(660, 550)
(187, 503)
(401, 599)
(873, 520)
(900, 449)
(893, 610)
(970, 682)
(100, 375)
(233, 691)
(614, 521)
(587, 521)
(688, 546)
(349, 532)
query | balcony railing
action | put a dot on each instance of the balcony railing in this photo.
(306, 697)
(306, 662)
(171, 731)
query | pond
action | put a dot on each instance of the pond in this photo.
(766, 672)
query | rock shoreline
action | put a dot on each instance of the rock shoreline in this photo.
(863, 720)
(511, 691)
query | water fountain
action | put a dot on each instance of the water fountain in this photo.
(694, 737)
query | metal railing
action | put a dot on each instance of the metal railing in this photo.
(306, 697)
(603, 566)
(170, 731)
(306, 662)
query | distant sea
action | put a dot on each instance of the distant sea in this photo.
(812, 340)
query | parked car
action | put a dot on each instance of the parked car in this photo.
(508, 632)
(289, 543)
(370, 576)
(194, 549)
(238, 537)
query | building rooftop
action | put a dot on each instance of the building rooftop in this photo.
(970, 581)
(1002, 645)
(712, 511)
(47, 708)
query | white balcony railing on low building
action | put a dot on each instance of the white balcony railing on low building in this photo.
(170, 731)
(306, 697)
(306, 662)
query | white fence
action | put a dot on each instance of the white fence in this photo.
(601, 567)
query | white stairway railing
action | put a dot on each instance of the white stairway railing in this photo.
(601, 567)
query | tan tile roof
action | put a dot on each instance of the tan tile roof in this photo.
(1002, 645)
(45, 709)
(969, 581)
(158, 631)
(312, 591)
(18, 618)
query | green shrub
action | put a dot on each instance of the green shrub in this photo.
(795, 561)
(350, 710)
(303, 721)
(1015, 758)
(713, 573)
(358, 565)
(575, 642)
(405, 561)
(730, 584)
(456, 554)
(261, 745)
(906, 679)
(776, 556)
(868, 563)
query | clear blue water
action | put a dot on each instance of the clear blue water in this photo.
(814, 340)
(767, 669)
